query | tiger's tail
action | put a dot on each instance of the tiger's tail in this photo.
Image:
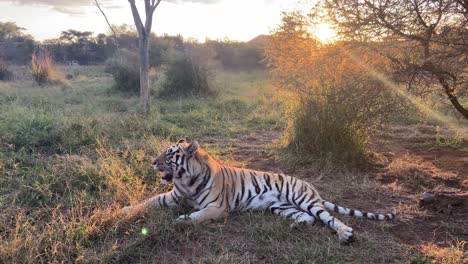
(357, 213)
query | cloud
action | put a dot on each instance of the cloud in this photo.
(77, 7)
(193, 1)
(71, 7)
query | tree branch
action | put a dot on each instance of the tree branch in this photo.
(137, 19)
(107, 21)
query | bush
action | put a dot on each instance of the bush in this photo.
(5, 73)
(44, 70)
(323, 129)
(125, 70)
(185, 77)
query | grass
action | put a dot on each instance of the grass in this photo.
(71, 157)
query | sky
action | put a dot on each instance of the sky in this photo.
(215, 19)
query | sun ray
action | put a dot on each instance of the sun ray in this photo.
(417, 102)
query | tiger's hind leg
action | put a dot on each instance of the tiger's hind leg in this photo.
(290, 211)
(344, 232)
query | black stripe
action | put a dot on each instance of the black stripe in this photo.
(255, 183)
(351, 212)
(294, 199)
(164, 200)
(293, 213)
(242, 185)
(273, 208)
(237, 200)
(267, 180)
(203, 199)
(203, 184)
(302, 200)
(318, 213)
(277, 187)
(287, 191)
(282, 183)
(223, 190)
(193, 180)
(175, 198)
(249, 199)
(293, 184)
(336, 209)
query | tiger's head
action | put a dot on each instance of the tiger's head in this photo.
(176, 163)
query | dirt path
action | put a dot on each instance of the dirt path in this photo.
(405, 168)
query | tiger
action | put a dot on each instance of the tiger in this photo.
(215, 190)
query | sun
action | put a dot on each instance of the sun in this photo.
(324, 33)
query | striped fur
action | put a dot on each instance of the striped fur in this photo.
(215, 190)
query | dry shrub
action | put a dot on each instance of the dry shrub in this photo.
(44, 70)
(416, 174)
(5, 73)
(454, 254)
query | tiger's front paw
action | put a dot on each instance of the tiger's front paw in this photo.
(184, 219)
(345, 234)
(126, 210)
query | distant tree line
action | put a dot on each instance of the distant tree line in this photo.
(84, 48)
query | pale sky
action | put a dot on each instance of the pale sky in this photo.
(216, 19)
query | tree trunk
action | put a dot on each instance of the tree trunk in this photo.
(442, 76)
(453, 99)
(144, 32)
(144, 75)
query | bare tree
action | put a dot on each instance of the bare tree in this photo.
(144, 31)
(426, 40)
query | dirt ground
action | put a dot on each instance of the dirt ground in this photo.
(404, 165)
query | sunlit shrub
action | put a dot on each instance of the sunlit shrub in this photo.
(44, 70)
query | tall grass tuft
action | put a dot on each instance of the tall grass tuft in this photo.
(44, 70)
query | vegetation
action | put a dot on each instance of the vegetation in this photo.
(44, 71)
(322, 120)
(5, 73)
(16, 47)
(123, 67)
(425, 41)
(71, 158)
(186, 76)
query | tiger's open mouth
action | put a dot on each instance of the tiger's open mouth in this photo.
(166, 175)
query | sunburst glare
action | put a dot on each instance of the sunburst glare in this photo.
(325, 33)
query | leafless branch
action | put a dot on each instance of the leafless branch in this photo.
(107, 21)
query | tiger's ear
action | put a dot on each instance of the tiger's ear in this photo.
(192, 148)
